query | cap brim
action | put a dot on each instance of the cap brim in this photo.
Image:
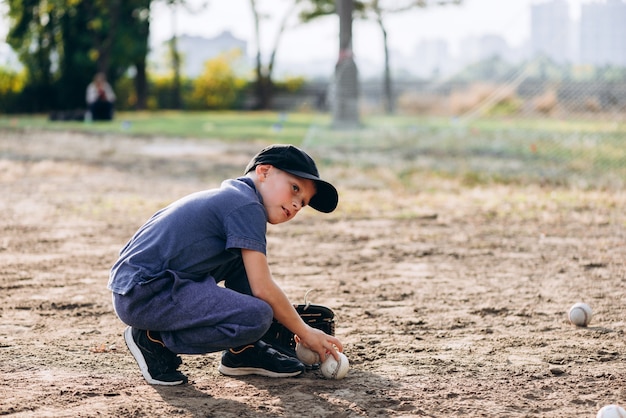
(326, 197)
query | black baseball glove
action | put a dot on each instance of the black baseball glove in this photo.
(316, 316)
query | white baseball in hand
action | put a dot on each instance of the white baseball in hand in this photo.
(333, 369)
(306, 355)
(580, 314)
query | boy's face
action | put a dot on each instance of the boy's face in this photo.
(283, 194)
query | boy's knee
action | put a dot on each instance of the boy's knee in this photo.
(266, 315)
(263, 317)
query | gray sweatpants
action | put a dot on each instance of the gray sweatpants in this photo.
(197, 317)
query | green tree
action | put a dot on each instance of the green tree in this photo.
(11, 85)
(63, 43)
(83, 49)
(217, 87)
(33, 38)
(130, 47)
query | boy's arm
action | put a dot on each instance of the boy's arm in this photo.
(265, 288)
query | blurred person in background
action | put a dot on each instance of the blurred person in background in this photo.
(100, 99)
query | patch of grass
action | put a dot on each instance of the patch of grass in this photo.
(226, 126)
(585, 153)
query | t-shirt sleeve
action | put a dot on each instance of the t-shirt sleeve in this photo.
(246, 228)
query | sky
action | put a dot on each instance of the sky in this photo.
(319, 40)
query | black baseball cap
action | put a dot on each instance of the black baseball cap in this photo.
(297, 162)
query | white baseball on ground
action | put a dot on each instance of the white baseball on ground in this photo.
(306, 355)
(333, 369)
(611, 411)
(580, 314)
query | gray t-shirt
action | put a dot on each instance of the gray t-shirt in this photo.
(194, 235)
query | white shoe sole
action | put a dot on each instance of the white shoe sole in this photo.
(136, 352)
(245, 371)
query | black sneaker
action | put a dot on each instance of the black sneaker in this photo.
(259, 358)
(158, 365)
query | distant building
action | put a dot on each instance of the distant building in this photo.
(431, 58)
(476, 49)
(195, 51)
(551, 31)
(603, 33)
(493, 46)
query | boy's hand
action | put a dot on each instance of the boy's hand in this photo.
(314, 316)
(320, 342)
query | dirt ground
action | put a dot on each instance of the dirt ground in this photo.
(451, 300)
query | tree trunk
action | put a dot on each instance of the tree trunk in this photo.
(141, 85)
(263, 85)
(141, 78)
(105, 44)
(176, 90)
(346, 85)
(268, 93)
(388, 91)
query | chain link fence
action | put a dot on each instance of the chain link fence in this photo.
(578, 139)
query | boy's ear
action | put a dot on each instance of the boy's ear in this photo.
(261, 170)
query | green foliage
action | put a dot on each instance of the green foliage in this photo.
(63, 43)
(11, 85)
(290, 84)
(505, 106)
(34, 39)
(218, 87)
(610, 73)
(125, 93)
(319, 8)
(162, 93)
(11, 82)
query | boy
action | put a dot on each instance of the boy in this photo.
(165, 282)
